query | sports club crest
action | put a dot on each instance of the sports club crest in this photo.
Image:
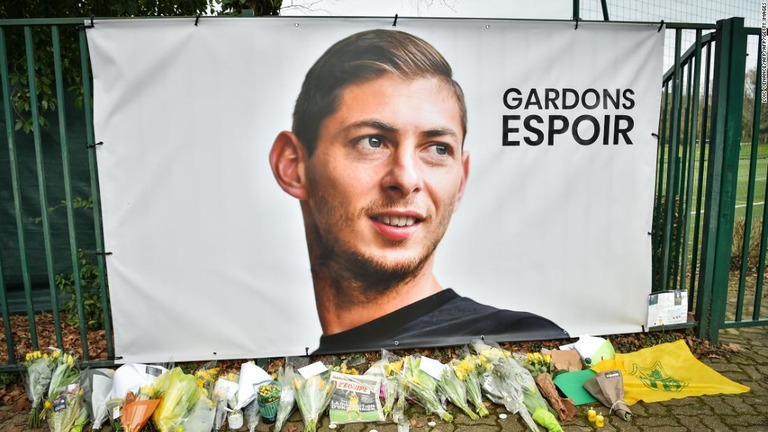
(656, 378)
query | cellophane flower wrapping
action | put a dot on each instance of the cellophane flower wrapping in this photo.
(96, 385)
(312, 396)
(64, 375)
(392, 368)
(252, 415)
(39, 367)
(504, 379)
(138, 408)
(200, 417)
(471, 368)
(452, 385)
(285, 376)
(68, 412)
(423, 388)
(224, 394)
(206, 376)
(179, 393)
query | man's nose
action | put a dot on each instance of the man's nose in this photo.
(403, 176)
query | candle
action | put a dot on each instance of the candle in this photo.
(599, 421)
(591, 415)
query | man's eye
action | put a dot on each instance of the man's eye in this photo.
(441, 149)
(375, 141)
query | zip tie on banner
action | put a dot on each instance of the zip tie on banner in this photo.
(661, 26)
(394, 23)
(86, 26)
(577, 24)
(94, 145)
(655, 135)
(197, 18)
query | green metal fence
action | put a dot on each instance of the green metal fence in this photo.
(52, 270)
(705, 241)
(50, 220)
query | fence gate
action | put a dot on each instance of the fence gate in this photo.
(709, 233)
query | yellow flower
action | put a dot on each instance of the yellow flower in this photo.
(48, 404)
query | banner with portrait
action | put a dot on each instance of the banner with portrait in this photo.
(208, 258)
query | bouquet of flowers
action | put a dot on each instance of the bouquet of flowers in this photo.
(392, 367)
(64, 374)
(312, 396)
(423, 388)
(224, 393)
(68, 412)
(178, 393)
(537, 363)
(138, 408)
(285, 376)
(252, 415)
(206, 377)
(96, 385)
(468, 370)
(38, 378)
(504, 379)
(452, 385)
(539, 409)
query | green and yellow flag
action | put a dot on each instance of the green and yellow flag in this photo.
(667, 371)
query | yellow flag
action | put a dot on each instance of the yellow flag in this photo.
(667, 371)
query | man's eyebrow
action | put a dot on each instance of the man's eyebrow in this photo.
(440, 132)
(386, 127)
(374, 124)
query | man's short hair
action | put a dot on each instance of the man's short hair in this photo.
(360, 57)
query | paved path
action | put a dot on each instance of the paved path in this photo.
(742, 412)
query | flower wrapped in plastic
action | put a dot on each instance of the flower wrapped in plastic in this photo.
(252, 415)
(68, 412)
(179, 393)
(38, 377)
(285, 376)
(97, 386)
(138, 408)
(224, 394)
(312, 396)
(200, 417)
(504, 379)
(539, 409)
(536, 363)
(206, 376)
(63, 376)
(392, 367)
(452, 385)
(469, 371)
(422, 387)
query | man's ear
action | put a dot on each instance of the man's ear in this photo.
(287, 159)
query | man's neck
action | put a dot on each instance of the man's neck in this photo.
(340, 314)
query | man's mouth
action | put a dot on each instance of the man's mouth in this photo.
(397, 221)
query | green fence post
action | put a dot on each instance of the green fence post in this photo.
(722, 169)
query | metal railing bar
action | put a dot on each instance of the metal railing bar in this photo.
(691, 143)
(671, 192)
(64, 155)
(6, 94)
(99, 236)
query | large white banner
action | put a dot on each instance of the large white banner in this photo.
(208, 254)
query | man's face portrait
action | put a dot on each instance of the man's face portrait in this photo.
(387, 174)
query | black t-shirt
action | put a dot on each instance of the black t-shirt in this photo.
(444, 318)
